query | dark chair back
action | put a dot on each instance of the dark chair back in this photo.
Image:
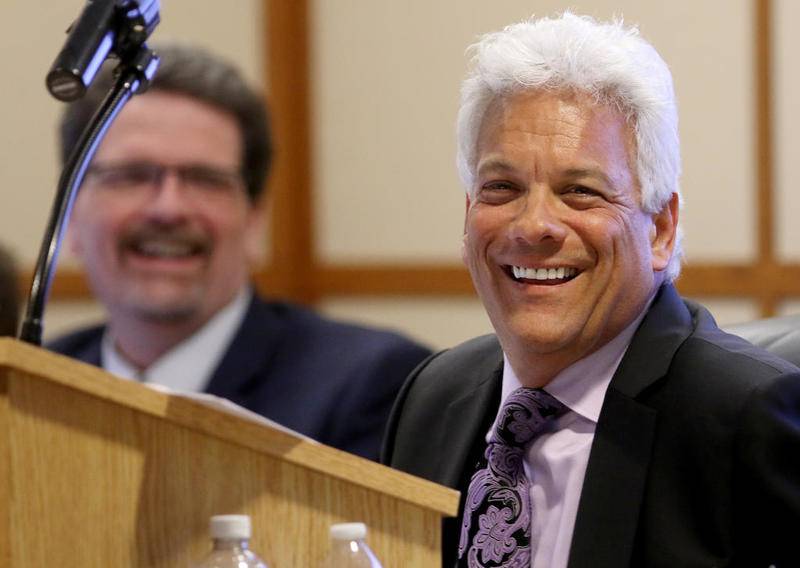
(780, 336)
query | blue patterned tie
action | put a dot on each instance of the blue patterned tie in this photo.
(496, 527)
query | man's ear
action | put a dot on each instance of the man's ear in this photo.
(663, 233)
(466, 211)
(256, 232)
(464, 235)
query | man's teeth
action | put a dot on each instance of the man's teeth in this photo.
(165, 249)
(543, 273)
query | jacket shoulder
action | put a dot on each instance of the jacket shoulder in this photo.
(460, 366)
(713, 352)
(78, 344)
(780, 335)
(450, 375)
(347, 342)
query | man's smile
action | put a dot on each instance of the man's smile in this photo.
(165, 246)
(542, 275)
(162, 249)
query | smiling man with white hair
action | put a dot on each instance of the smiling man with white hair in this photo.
(607, 422)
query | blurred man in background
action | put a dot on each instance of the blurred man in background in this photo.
(168, 223)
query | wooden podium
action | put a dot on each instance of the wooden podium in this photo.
(99, 471)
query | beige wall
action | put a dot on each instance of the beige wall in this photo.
(385, 88)
(34, 29)
(386, 91)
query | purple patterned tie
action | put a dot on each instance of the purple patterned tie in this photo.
(496, 527)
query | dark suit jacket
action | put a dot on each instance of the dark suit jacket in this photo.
(696, 456)
(331, 381)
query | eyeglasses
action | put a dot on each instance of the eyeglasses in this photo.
(137, 176)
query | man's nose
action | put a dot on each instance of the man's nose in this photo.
(539, 220)
(170, 199)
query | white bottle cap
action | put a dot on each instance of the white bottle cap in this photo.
(349, 531)
(230, 526)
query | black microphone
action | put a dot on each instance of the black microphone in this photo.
(104, 27)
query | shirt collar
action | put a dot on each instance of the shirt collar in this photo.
(582, 386)
(189, 365)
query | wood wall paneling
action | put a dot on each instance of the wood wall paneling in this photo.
(291, 182)
(296, 273)
(766, 263)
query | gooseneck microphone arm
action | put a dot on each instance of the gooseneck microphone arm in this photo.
(137, 66)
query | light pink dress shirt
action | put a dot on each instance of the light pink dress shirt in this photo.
(556, 461)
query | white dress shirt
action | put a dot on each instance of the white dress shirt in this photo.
(189, 365)
(556, 461)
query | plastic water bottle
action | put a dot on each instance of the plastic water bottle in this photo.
(349, 549)
(231, 535)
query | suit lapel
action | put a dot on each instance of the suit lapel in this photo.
(605, 527)
(93, 354)
(254, 344)
(465, 425)
(616, 474)
(465, 422)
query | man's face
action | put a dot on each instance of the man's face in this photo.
(163, 223)
(560, 252)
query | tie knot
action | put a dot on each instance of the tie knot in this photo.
(524, 415)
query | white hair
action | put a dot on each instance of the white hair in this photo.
(608, 61)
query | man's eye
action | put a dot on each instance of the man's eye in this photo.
(203, 178)
(499, 186)
(126, 177)
(206, 178)
(581, 190)
(582, 197)
(496, 192)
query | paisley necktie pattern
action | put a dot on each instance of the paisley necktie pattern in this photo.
(496, 526)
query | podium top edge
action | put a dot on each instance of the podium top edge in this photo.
(41, 364)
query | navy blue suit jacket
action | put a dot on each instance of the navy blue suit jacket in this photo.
(331, 381)
(695, 460)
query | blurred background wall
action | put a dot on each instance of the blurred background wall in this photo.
(368, 212)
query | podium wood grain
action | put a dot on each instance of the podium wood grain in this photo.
(98, 471)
